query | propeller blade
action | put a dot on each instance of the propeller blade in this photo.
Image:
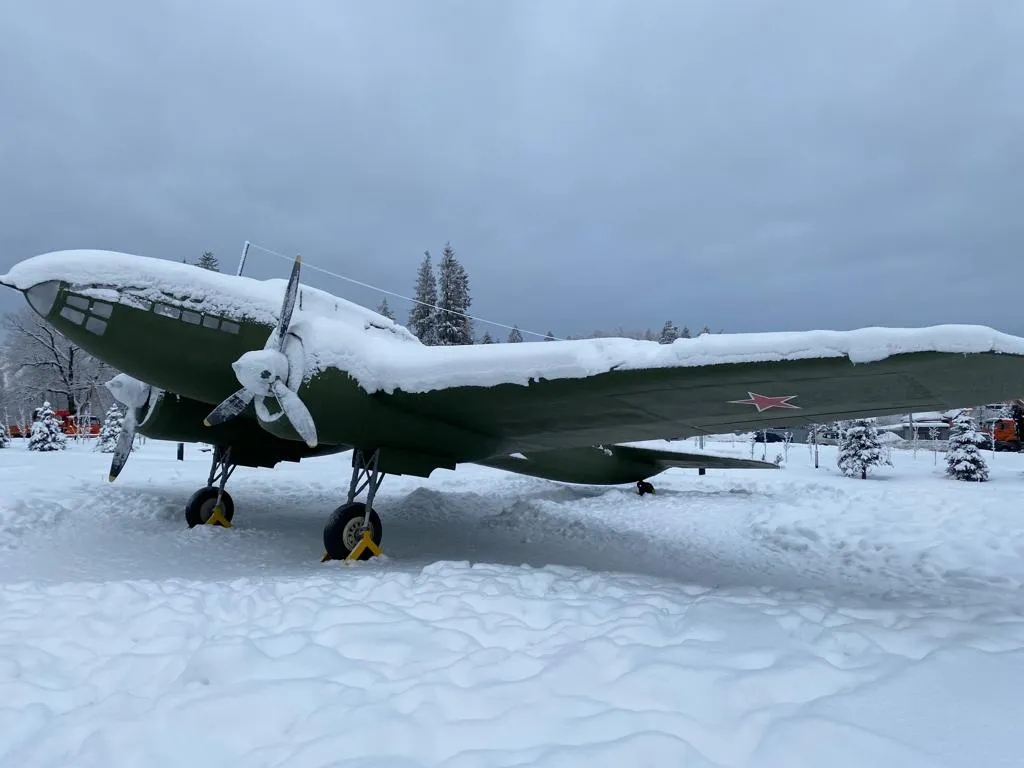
(296, 411)
(288, 306)
(124, 445)
(233, 406)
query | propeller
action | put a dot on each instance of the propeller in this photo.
(265, 372)
(134, 394)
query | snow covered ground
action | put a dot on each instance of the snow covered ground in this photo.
(744, 618)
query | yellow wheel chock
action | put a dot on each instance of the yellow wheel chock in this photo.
(365, 543)
(217, 518)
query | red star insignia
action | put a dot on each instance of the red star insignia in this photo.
(764, 402)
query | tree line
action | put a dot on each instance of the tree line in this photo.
(441, 302)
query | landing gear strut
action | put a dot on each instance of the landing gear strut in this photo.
(212, 505)
(354, 530)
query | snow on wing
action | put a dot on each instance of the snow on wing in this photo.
(645, 404)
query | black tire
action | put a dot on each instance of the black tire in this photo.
(344, 530)
(200, 506)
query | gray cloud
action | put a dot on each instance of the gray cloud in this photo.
(753, 166)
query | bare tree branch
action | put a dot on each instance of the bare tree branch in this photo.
(38, 362)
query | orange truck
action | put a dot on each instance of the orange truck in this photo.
(72, 426)
(1006, 434)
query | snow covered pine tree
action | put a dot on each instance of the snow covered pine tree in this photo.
(963, 457)
(515, 336)
(859, 449)
(453, 324)
(669, 333)
(5, 439)
(113, 423)
(384, 310)
(423, 316)
(47, 434)
(208, 261)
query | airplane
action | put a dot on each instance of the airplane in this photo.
(267, 371)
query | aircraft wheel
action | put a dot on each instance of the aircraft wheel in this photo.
(200, 506)
(344, 530)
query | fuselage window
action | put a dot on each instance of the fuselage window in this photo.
(167, 311)
(211, 322)
(227, 325)
(137, 302)
(190, 317)
(95, 325)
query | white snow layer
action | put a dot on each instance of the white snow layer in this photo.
(381, 355)
(743, 618)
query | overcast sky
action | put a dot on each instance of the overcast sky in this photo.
(751, 165)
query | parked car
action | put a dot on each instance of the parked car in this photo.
(771, 435)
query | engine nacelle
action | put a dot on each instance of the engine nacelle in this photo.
(168, 416)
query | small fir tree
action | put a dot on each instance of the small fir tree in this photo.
(487, 339)
(113, 424)
(685, 333)
(5, 439)
(423, 315)
(515, 335)
(669, 333)
(208, 261)
(859, 449)
(385, 310)
(47, 434)
(963, 457)
(549, 337)
(454, 327)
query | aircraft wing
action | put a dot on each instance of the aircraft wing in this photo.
(619, 406)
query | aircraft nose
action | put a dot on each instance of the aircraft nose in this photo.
(41, 296)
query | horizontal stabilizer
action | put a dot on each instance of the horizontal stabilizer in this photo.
(612, 464)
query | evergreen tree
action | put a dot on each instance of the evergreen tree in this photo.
(859, 449)
(454, 327)
(963, 457)
(487, 338)
(208, 261)
(5, 439)
(669, 333)
(423, 316)
(113, 424)
(705, 329)
(685, 333)
(47, 434)
(549, 337)
(385, 310)
(515, 336)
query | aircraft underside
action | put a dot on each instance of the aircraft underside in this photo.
(354, 529)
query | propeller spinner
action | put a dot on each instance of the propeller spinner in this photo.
(264, 373)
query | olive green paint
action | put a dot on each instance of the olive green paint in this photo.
(553, 421)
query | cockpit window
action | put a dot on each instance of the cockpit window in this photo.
(42, 296)
(72, 315)
(101, 308)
